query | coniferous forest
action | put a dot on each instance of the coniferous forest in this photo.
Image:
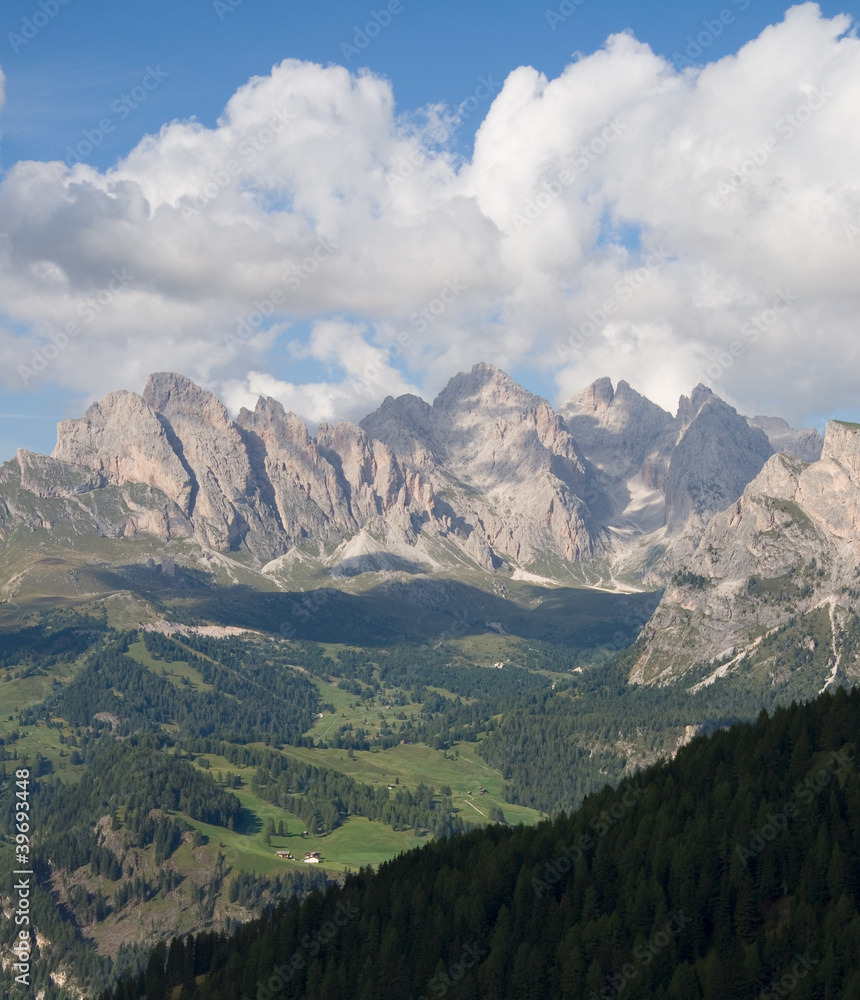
(732, 871)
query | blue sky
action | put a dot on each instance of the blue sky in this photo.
(65, 79)
(100, 76)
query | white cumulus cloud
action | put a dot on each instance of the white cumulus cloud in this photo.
(626, 218)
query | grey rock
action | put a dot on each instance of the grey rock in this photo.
(794, 531)
(805, 444)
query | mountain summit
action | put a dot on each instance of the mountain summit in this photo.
(487, 479)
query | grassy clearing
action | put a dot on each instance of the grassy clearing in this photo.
(461, 768)
(358, 842)
(348, 708)
(20, 692)
(174, 671)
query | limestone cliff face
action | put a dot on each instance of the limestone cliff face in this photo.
(716, 453)
(72, 501)
(790, 543)
(226, 502)
(301, 484)
(511, 477)
(49, 477)
(488, 476)
(502, 466)
(829, 490)
(666, 476)
(618, 429)
(122, 439)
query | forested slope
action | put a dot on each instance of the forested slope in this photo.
(730, 871)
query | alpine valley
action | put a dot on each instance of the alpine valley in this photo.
(240, 660)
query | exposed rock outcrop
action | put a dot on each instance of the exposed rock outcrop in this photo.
(789, 544)
(512, 481)
(486, 477)
(666, 476)
(123, 440)
(805, 444)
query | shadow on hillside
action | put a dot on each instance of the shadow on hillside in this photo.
(426, 610)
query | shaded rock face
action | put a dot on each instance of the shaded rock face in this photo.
(716, 453)
(794, 533)
(662, 471)
(487, 474)
(489, 471)
(618, 429)
(503, 467)
(225, 499)
(805, 444)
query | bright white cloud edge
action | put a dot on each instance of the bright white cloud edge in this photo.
(312, 205)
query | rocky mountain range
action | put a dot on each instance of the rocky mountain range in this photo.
(487, 483)
(787, 548)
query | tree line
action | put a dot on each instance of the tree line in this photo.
(719, 875)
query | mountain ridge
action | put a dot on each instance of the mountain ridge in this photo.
(488, 484)
(487, 476)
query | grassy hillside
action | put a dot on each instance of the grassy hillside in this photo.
(310, 735)
(731, 872)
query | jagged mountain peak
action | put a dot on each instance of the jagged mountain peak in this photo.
(594, 398)
(715, 455)
(484, 384)
(804, 444)
(122, 438)
(607, 405)
(616, 428)
(408, 406)
(268, 406)
(788, 547)
(489, 471)
(689, 407)
(271, 421)
(178, 397)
